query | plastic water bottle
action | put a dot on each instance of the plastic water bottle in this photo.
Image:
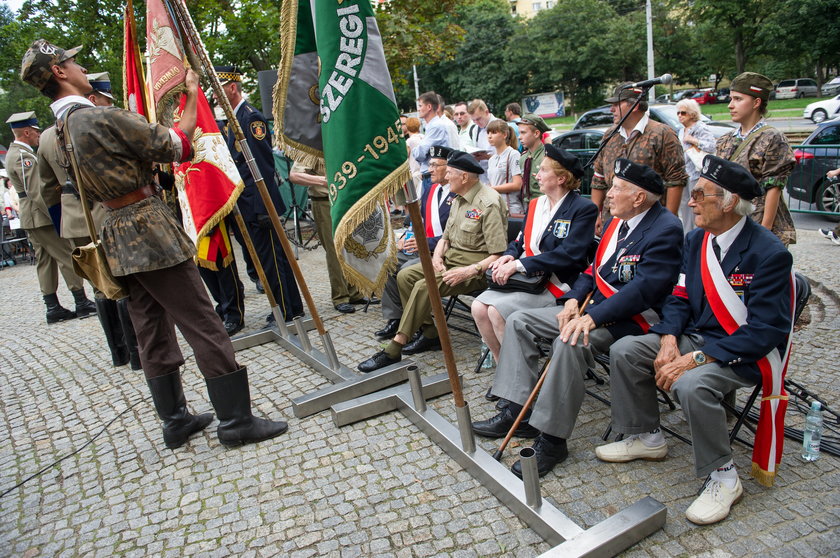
(813, 433)
(488, 360)
(409, 234)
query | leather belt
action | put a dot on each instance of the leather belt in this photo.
(132, 197)
(21, 195)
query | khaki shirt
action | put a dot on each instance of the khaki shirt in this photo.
(115, 150)
(22, 166)
(477, 226)
(533, 187)
(316, 192)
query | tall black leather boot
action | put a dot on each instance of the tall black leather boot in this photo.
(107, 312)
(55, 311)
(232, 400)
(84, 307)
(171, 406)
(128, 334)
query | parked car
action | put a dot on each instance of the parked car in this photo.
(666, 98)
(722, 95)
(684, 94)
(705, 97)
(818, 154)
(667, 114)
(831, 88)
(823, 110)
(797, 88)
(583, 143)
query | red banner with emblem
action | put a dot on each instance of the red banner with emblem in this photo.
(166, 59)
(135, 97)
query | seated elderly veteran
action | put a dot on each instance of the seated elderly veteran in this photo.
(727, 325)
(435, 203)
(475, 236)
(635, 268)
(556, 235)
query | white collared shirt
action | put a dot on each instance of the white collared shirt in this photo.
(640, 127)
(725, 239)
(543, 213)
(60, 106)
(633, 222)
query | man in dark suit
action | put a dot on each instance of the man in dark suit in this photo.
(277, 269)
(635, 268)
(727, 325)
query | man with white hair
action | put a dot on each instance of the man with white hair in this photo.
(726, 325)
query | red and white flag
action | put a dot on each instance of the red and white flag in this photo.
(135, 96)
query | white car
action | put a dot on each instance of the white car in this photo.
(823, 110)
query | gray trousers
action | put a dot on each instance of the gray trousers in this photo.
(391, 305)
(699, 392)
(556, 408)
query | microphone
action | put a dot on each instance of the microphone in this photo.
(664, 79)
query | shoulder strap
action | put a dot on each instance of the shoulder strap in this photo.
(748, 141)
(63, 135)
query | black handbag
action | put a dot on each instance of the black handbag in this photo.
(518, 282)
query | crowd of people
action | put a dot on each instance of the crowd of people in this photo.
(677, 266)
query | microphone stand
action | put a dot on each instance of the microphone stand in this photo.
(614, 131)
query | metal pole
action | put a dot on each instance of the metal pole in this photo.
(650, 70)
(416, 82)
(192, 34)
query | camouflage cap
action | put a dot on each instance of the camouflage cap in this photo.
(536, 121)
(624, 93)
(35, 69)
(753, 84)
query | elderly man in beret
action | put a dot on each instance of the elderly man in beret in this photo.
(475, 236)
(635, 268)
(531, 129)
(727, 325)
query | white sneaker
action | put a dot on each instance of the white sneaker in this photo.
(827, 233)
(630, 449)
(714, 503)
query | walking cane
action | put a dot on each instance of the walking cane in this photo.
(530, 401)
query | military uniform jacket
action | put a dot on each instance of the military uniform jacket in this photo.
(564, 243)
(644, 268)
(477, 226)
(115, 150)
(255, 128)
(758, 267)
(54, 180)
(22, 166)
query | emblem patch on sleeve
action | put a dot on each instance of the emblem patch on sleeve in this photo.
(258, 130)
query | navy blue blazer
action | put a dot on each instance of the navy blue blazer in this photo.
(564, 243)
(644, 269)
(443, 211)
(257, 134)
(758, 266)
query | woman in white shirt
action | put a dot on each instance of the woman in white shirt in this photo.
(697, 140)
(503, 172)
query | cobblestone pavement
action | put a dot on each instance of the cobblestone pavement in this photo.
(376, 488)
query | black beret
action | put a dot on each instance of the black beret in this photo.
(569, 161)
(730, 176)
(641, 175)
(439, 152)
(464, 162)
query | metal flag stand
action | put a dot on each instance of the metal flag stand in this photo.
(609, 537)
(349, 384)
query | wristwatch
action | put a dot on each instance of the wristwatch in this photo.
(478, 269)
(699, 358)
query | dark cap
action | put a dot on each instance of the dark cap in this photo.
(641, 175)
(464, 162)
(228, 74)
(569, 161)
(22, 120)
(751, 83)
(624, 93)
(535, 121)
(37, 63)
(101, 83)
(439, 152)
(730, 176)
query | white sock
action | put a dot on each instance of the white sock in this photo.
(652, 439)
(727, 475)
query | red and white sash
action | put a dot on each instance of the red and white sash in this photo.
(606, 248)
(731, 312)
(554, 285)
(432, 221)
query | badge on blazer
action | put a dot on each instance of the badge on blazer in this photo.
(27, 163)
(627, 268)
(561, 228)
(258, 130)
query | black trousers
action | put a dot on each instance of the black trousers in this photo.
(278, 272)
(161, 299)
(226, 289)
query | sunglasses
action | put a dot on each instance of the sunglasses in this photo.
(682, 113)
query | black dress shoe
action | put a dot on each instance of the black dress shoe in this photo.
(233, 327)
(498, 426)
(489, 395)
(389, 330)
(377, 361)
(548, 454)
(366, 300)
(421, 345)
(345, 308)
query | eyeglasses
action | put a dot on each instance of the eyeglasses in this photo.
(699, 195)
(436, 165)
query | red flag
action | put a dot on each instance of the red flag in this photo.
(166, 58)
(135, 98)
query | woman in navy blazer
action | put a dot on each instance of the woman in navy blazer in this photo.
(556, 235)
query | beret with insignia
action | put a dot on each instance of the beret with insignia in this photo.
(641, 175)
(439, 152)
(464, 162)
(569, 161)
(730, 176)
